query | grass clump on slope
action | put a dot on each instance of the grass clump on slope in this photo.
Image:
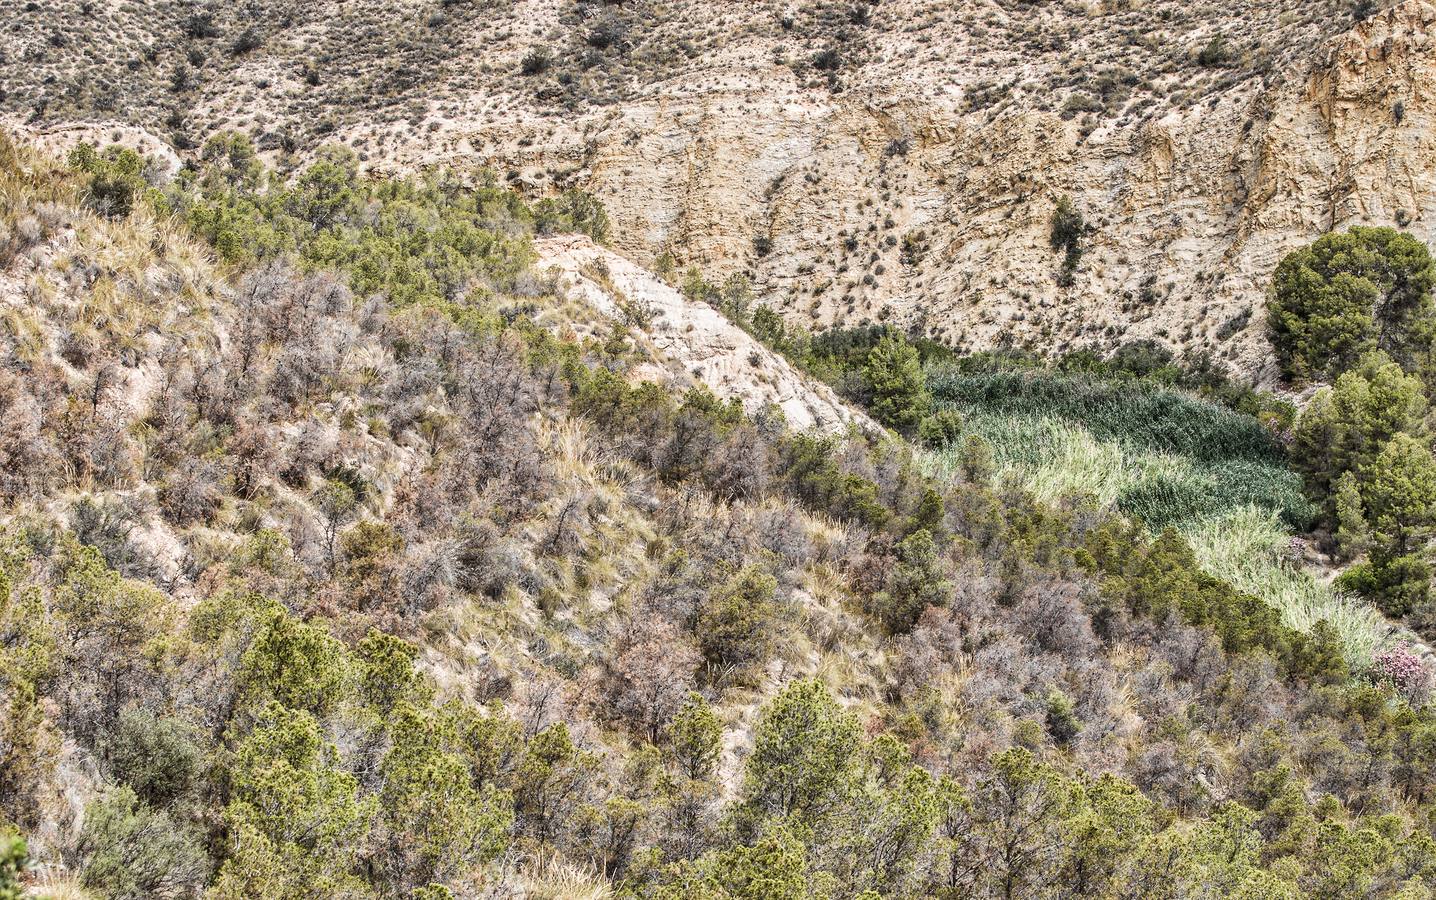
(1155, 453)
(1169, 460)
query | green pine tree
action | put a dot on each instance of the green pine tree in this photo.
(894, 379)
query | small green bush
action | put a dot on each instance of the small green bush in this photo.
(575, 212)
(940, 429)
(132, 852)
(1216, 54)
(13, 859)
(536, 61)
(116, 179)
(158, 758)
(1062, 722)
(1068, 231)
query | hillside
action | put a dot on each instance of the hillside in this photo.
(358, 542)
(690, 342)
(638, 450)
(894, 161)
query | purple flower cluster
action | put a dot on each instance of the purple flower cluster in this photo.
(1401, 667)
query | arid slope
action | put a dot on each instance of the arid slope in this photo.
(861, 162)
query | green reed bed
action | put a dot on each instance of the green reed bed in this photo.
(1168, 460)
(1134, 413)
(1245, 547)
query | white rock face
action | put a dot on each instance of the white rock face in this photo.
(1189, 206)
(912, 182)
(693, 342)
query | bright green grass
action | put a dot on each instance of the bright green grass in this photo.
(1237, 508)
(1055, 458)
(1243, 547)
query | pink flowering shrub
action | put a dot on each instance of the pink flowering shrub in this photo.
(1402, 669)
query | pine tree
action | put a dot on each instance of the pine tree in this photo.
(894, 379)
(295, 819)
(805, 759)
(1400, 492)
(1348, 294)
(915, 583)
(696, 739)
(1345, 427)
(440, 824)
(1353, 535)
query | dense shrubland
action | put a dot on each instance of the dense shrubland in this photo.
(1183, 445)
(1356, 310)
(1171, 443)
(330, 572)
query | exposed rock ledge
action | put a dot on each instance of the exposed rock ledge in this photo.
(691, 341)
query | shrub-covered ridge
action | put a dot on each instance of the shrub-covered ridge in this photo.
(314, 593)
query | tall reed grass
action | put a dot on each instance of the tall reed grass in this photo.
(1054, 458)
(1246, 547)
(1168, 460)
(1130, 412)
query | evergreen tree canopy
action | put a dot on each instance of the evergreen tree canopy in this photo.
(1348, 294)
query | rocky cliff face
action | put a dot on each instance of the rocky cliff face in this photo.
(948, 214)
(689, 342)
(897, 161)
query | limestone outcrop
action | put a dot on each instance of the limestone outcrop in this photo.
(893, 162)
